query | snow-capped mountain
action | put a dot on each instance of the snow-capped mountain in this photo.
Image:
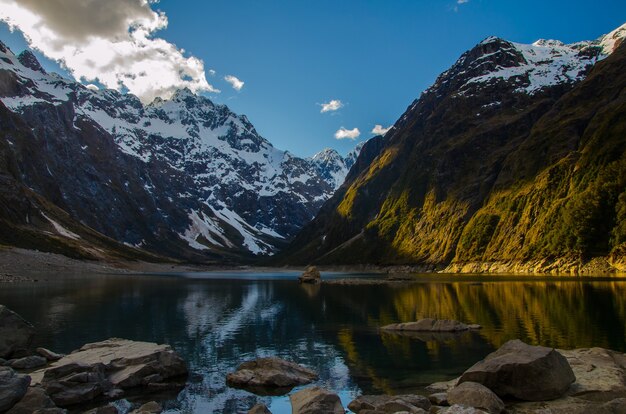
(334, 168)
(236, 191)
(531, 68)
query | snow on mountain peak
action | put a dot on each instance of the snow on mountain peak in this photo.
(257, 192)
(613, 40)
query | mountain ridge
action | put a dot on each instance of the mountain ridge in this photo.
(417, 202)
(201, 174)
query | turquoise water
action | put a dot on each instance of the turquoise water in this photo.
(217, 320)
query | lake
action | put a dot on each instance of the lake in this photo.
(217, 320)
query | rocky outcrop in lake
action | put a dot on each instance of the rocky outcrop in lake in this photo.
(315, 400)
(431, 325)
(310, 275)
(270, 376)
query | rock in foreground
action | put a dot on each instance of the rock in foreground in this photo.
(36, 400)
(519, 370)
(12, 388)
(16, 334)
(431, 325)
(310, 275)
(105, 368)
(315, 400)
(475, 395)
(390, 403)
(259, 409)
(264, 375)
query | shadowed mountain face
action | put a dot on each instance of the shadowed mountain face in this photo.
(182, 177)
(516, 153)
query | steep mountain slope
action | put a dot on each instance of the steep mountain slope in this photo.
(29, 220)
(179, 177)
(513, 155)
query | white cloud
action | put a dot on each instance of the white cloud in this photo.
(234, 82)
(343, 133)
(379, 130)
(212, 72)
(462, 1)
(111, 42)
(331, 106)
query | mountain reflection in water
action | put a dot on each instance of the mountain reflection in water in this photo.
(216, 323)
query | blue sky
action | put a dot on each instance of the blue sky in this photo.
(376, 57)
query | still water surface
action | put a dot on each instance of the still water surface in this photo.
(217, 320)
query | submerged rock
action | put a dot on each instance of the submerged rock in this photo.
(13, 387)
(266, 375)
(475, 395)
(315, 400)
(16, 334)
(431, 325)
(390, 403)
(519, 370)
(310, 275)
(103, 368)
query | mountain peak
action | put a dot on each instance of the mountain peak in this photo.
(612, 40)
(29, 60)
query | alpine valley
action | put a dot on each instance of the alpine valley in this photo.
(95, 173)
(513, 161)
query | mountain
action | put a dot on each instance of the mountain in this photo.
(332, 167)
(515, 159)
(182, 177)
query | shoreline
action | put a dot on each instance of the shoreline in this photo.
(17, 265)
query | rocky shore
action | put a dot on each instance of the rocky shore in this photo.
(86, 380)
(515, 379)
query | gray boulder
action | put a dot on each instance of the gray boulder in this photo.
(390, 403)
(104, 368)
(264, 374)
(75, 383)
(310, 275)
(438, 398)
(431, 325)
(13, 387)
(34, 401)
(475, 395)
(519, 370)
(48, 354)
(259, 409)
(16, 334)
(29, 362)
(315, 400)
